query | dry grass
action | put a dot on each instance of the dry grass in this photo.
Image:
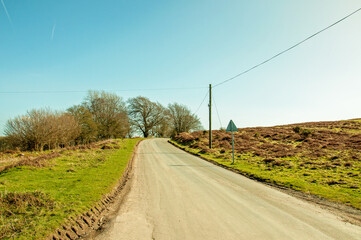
(18, 211)
(12, 159)
(312, 140)
(320, 157)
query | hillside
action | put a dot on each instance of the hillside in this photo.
(322, 158)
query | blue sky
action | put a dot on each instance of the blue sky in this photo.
(49, 45)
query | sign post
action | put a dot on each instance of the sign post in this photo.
(232, 128)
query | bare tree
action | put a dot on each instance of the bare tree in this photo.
(88, 128)
(40, 129)
(164, 128)
(181, 119)
(109, 113)
(144, 114)
(67, 129)
(102, 115)
(17, 132)
(35, 128)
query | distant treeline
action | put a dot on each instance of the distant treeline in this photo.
(100, 116)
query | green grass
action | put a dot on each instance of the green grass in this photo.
(73, 183)
(295, 174)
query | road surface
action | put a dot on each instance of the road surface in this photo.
(178, 196)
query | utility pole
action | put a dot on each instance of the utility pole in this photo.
(210, 116)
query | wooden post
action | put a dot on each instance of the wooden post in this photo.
(210, 116)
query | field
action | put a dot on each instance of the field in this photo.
(39, 191)
(321, 158)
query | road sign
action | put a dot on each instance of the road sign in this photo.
(232, 128)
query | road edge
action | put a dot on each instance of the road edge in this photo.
(96, 217)
(346, 213)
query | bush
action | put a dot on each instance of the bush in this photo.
(306, 133)
(42, 129)
(185, 138)
(297, 129)
(4, 144)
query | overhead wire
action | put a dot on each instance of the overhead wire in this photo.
(199, 107)
(288, 49)
(116, 90)
(216, 85)
(215, 105)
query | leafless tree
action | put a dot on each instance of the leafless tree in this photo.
(144, 114)
(67, 129)
(181, 119)
(109, 113)
(42, 128)
(88, 128)
(164, 128)
(17, 132)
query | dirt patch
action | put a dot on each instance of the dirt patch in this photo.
(93, 221)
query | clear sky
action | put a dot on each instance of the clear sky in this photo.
(67, 45)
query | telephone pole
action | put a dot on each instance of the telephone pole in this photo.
(210, 116)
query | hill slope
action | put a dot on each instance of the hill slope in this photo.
(322, 158)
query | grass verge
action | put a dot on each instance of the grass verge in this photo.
(290, 173)
(34, 201)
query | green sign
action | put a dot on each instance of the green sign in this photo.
(231, 127)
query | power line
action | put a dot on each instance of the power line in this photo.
(219, 119)
(117, 90)
(201, 103)
(288, 49)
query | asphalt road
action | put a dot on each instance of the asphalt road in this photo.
(178, 196)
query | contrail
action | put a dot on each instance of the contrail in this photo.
(6, 11)
(52, 32)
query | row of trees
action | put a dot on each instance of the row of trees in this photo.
(42, 127)
(152, 119)
(100, 116)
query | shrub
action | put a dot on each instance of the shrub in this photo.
(40, 129)
(185, 138)
(4, 144)
(297, 129)
(306, 133)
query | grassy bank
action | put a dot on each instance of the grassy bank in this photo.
(39, 191)
(319, 158)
